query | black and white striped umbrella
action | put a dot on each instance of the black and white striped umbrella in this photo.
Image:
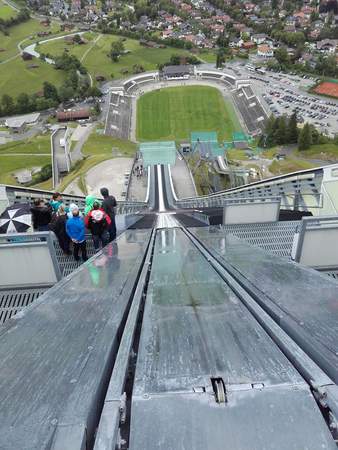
(16, 219)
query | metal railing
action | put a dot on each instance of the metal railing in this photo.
(298, 190)
(17, 194)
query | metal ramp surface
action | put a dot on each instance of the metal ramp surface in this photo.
(151, 316)
(56, 357)
(301, 300)
(196, 331)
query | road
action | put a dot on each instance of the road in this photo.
(30, 49)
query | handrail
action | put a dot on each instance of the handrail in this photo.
(294, 176)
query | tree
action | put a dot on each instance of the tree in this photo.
(72, 79)
(50, 91)
(222, 40)
(23, 103)
(281, 54)
(117, 48)
(305, 138)
(274, 5)
(7, 105)
(66, 92)
(267, 139)
(280, 134)
(220, 58)
(292, 132)
(175, 60)
(94, 92)
(77, 39)
(46, 172)
(245, 37)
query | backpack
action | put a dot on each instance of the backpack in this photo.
(97, 221)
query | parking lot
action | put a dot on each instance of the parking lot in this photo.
(321, 113)
(285, 93)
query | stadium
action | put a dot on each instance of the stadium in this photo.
(121, 118)
(209, 323)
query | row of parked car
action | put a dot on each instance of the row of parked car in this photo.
(305, 106)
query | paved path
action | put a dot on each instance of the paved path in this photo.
(12, 5)
(182, 179)
(109, 174)
(24, 154)
(138, 188)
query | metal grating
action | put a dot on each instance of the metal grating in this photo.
(332, 274)
(14, 300)
(67, 263)
(275, 237)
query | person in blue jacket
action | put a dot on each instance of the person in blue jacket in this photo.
(75, 229)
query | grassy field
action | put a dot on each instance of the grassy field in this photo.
(289, 165)
(95, 55)
(6, 12)
(172, 113)
(37, 145)
(238, 155)
(10, 164)
(26, 32)
(23, 154)
(325, 152)
(207, 56)
(16, 77)
(99, 144)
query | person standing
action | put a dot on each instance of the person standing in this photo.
(41, 215)
(56, 201)
(90, 199)
(109, 204)
(98, 222)
(75, 229)
(73, 206)
(58, 226)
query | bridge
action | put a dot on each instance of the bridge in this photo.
(182, 334)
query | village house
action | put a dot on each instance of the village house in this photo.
(249, 7)
(264, 51)
(236, 42)
(328, 46)
(259, 38)
(314, 34)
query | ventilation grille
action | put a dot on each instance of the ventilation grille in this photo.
(276, 237)
(12, 301)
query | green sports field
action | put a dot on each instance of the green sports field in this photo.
(6, 12)
(173, 113)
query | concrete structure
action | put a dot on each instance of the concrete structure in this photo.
(60, 149)
(17, 123)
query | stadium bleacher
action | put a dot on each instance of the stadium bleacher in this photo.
(251, 110)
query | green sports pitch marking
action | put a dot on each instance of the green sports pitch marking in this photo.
(172, 113)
